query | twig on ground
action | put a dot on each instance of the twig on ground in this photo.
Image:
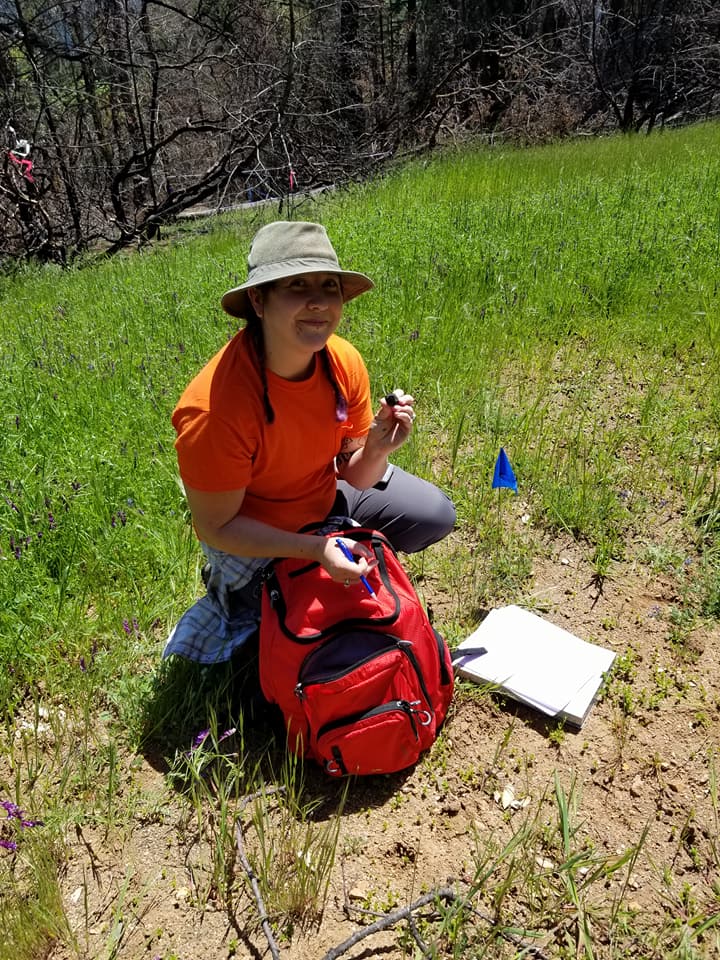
(264, 921)
(265, 792)
(255, 886)
(389, 920)
(417, 937)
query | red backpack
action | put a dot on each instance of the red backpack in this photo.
(363, 681)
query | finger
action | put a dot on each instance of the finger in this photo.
(357, 549)
(361, 550)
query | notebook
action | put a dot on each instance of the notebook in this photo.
(535, 662)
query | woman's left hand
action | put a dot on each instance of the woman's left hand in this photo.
(393, 423)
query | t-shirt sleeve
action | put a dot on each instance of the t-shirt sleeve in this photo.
(212, 456)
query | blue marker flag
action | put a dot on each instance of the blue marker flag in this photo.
(504, 475)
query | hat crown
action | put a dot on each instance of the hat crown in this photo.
(287, 248)
(281, 241)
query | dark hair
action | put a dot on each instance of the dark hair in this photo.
(255, 331)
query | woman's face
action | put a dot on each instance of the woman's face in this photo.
(298, 313)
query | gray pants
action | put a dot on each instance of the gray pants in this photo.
(411, 512)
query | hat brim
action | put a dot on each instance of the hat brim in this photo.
(237, 303)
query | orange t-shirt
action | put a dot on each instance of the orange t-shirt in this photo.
(287, 468)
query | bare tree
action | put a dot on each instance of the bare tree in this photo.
(138, 109)
(134, 110)
(651, 60)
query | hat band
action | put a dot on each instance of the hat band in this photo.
(288, 268)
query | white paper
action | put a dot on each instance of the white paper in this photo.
(535, 661)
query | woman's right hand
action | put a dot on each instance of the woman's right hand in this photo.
(340, 568)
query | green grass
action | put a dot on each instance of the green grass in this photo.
(561, 302)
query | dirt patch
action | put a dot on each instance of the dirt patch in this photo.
(643, 762)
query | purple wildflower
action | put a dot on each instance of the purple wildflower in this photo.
(126, 627)
(51, 521)
(82, 665)
(415, 335)
(119, 517)
(15, 813)
(8, 845)
(31, 823)
(13, 810)
(201, 737)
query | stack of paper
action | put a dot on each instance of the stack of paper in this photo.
(535, 662)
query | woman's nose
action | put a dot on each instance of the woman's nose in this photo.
(317, 298)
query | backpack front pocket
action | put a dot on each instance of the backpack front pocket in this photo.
(354, 673)
(388, 738)
(365, 704)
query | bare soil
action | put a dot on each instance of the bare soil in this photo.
(642, 760)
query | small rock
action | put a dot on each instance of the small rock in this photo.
(360, 891)
(636, 787)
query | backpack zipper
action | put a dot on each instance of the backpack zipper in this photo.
(391, 706)
(395, 644)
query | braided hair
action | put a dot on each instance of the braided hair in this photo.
(255, 331)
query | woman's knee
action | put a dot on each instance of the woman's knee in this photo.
(427, 518)
(439, 518)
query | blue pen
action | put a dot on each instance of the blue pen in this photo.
(350, 556)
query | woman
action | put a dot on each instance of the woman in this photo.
(277, 434)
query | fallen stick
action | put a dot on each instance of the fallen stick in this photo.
(245, 863)
(406, 913)
(389, 920)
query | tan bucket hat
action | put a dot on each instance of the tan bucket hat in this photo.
(284, 249)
